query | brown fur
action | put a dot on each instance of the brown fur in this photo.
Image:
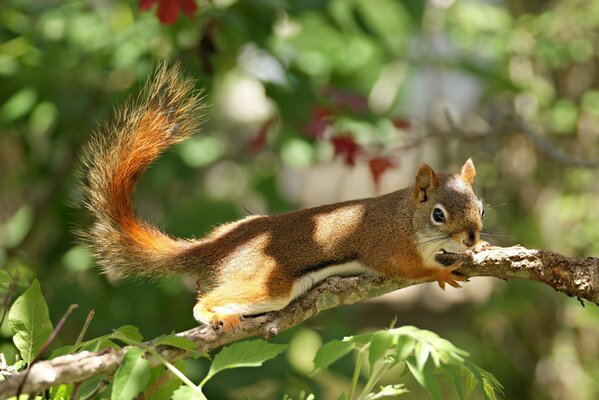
(255, 264)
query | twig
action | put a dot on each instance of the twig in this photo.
(548, 148)
(88, 320)
(9, 297)
(76, 390)
(577, 277)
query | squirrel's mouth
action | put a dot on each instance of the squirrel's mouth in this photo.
(447, 258)
(443, 251)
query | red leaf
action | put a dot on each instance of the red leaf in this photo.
(318, 122)
(168, 10)
(145, 5)
(346, 147)
(258, 142)
(378, 166)
(401, 123)
(347, 99)
(189, 7)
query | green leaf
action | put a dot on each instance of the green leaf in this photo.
(245, 354)
(425, 378)
(388, 391)
(61, 351)
(421, 352)
(29, 322)
(90, 386)
(128, 334)
(360, 340)
(491, 384)
(162, 383)
(19, 365)
(61, 392)
(457, 381)
(5, 280)
(132, 376)
(176, 341)
(380, 343)
(331, 352)
(487, 382)
(103, 342)
(186, 393)
(404, 347)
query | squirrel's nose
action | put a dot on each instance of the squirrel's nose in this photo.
(470, 240)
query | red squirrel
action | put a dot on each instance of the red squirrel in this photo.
(261, 263)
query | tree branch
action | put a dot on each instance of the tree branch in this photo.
(573, 276)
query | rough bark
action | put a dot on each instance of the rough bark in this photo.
(577, 277)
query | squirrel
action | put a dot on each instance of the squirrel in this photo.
(261, 263)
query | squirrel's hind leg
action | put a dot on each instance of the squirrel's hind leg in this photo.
(224, 307)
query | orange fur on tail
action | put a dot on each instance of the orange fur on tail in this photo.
(167, 112)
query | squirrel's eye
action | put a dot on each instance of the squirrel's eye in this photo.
(438, 216)
(482, 214)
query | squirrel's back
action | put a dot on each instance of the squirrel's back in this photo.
(167, 112)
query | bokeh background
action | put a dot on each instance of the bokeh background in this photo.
(312, 102)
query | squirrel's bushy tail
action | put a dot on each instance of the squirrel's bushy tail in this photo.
(167, 112)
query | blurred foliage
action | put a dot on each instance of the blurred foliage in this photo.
(297, 84)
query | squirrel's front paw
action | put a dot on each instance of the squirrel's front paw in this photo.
(481, 246)
(444, 276)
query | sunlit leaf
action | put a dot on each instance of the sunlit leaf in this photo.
(380, 343)
(128, 334)
(29, 321)
(245, 354)
(388, 391)
(331, 352)
(185, 393)
(404, 347)
(132, 375)
(421, 351)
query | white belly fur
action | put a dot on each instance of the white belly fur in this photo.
(301, 286)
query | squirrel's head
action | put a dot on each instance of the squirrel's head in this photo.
(448, 216)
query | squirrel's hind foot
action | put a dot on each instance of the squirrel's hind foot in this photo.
(224, 322)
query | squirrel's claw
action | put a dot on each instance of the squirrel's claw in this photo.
(224, 322)
(446, 275)
(482, 245)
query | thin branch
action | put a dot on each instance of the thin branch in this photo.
(9, 296)
(549, 149)
(88, 321)
(573, 276)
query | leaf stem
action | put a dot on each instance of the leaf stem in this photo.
(175, 371)
(375, 377)
(356, 376)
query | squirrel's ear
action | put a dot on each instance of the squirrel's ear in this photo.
(426, 181)
(468, 172)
